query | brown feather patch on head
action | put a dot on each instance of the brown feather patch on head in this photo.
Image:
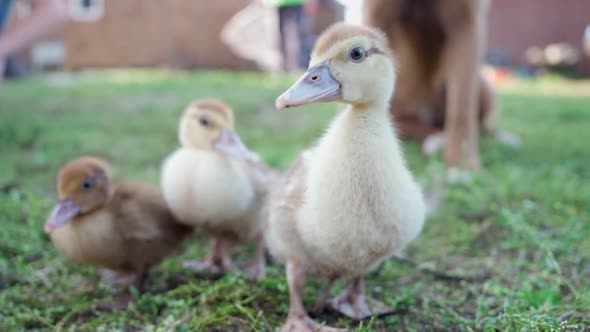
(214, 105)
(76, 171)
(341, 32)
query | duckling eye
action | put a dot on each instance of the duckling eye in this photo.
(357, 54)
(86, 184)
(204, 122)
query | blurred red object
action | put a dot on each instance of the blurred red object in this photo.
(496, 75)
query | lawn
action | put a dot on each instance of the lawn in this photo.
(509, 250)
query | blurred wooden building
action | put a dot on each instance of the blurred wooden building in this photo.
(182, 33)
(186, 33)
(141, 33)
(516, 26)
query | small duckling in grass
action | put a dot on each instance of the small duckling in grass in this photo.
(123, 229)
(350, 202)
(216, 183)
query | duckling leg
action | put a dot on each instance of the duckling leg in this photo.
(116, 277)
(224, 259)
(322, 299)
(140, 280)
(256, 267)
(298, 320)
(125, 279)
(122, 300)
(217, 261)
(354, 304)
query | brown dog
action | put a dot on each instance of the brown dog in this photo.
(440, 94)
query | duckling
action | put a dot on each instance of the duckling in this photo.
(350, 202)
(216, 183)
(124, 228)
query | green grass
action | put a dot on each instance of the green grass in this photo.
(508, 251)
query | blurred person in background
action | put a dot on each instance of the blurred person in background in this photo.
(293, 31)
(587, 41)
(46, 16)
(353, 11)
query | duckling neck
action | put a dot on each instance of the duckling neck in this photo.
(360, 152)
(368, 123)
(381, 107)
(357, 184)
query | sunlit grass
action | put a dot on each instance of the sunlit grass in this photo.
(508, 251)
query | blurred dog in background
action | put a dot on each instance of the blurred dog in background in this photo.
(441, 95)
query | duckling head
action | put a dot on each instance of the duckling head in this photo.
(208, 124)
(83, 186)
(351, 64)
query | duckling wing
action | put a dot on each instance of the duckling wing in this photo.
(282, 235)
(289, 193)
(146, 224)
(264, 178)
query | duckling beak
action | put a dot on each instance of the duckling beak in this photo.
(230, 144)
(316, 85)
(63, 212)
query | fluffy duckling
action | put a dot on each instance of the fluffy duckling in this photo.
(350, 202)
(214, 182)
(126, 228)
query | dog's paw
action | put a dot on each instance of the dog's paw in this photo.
(459, 175)
(509, 139)
(434, 143)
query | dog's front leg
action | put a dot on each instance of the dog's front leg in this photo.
(461, 124)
